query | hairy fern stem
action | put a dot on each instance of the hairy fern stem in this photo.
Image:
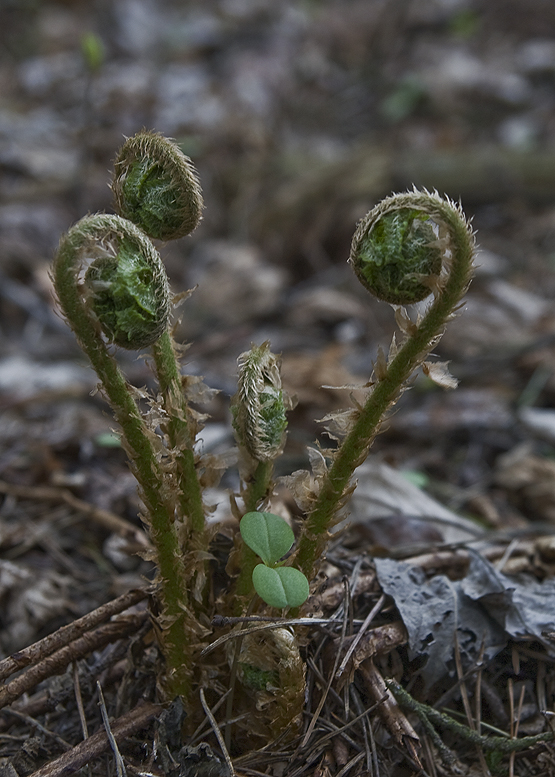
(448, 286)
(75, 247)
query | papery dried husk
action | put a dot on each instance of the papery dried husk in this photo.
(339, 424)
(213, 467)
(271, 684)
(404, 322)
(439, 373)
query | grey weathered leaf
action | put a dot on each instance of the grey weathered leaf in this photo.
(433, 611)
(521, 605)
(485, 606)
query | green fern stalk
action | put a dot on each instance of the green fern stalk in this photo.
(453, 241)
(179, 431)
(100, 237)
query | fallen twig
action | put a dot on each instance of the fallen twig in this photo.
(368, 643)
(98, 743)
(218, 733)
(389, 711)
(57, 662)
(66, 634)
(110, 521)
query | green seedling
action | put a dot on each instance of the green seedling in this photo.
(93, 52)
(280, 586)
(113, 290)
(268, 535)
(271, 538)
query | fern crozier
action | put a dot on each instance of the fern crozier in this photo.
(156, 186)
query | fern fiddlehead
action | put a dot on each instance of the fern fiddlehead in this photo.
(110, 279)
(408, 247)
(125, 281)
(156, 187)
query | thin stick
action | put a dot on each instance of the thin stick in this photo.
(274, 624)
(353, 762)
(79, 701)
(57, 662)
(66, 634)
(369, 618)
(218, 733)
(462, 684)
(322, 701)
(342, 729)
(311, 664)
(516, 725)
(478, 688)
(110, 521)
(466, 702)
(200, 728)
(80, 707)
(85, 752)
(35, 723)
(366, 725)
(233, 679)
(120, 766)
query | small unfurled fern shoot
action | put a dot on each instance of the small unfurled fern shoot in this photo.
(259, 422)
(410, 246)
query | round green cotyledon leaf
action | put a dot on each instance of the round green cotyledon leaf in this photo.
(267, 534)
(281, 587)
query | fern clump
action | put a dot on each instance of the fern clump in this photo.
(113, 290)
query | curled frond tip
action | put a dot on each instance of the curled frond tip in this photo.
(156, 186)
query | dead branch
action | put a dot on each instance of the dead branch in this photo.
(66, 634)
(58, 661)
(379, 641)
(85, 752)
(110, 521)
(389, 711)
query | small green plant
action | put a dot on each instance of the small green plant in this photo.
(113, 290)
(271, 538)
